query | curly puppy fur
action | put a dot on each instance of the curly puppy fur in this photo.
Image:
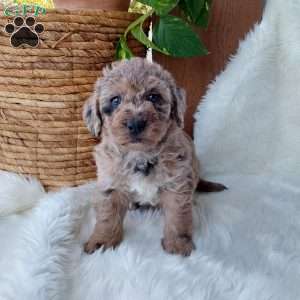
(144, 155)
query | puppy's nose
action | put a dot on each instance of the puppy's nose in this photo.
(136, 126)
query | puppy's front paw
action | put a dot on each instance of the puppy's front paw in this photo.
(181, 244)
(93, 244)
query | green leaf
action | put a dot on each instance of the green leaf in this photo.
(174, 36)
(192, 8)
(196, 11)
(136, 22)
(140, 35)
(122, 49)
(203, 19)
(138, 7)
(161, 7)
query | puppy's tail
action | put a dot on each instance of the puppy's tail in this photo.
(18, 193)
(209, 186)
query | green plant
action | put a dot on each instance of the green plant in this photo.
(172, 35)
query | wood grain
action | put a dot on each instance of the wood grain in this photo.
(230, 21)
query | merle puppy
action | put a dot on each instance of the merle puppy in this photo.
(144, 155)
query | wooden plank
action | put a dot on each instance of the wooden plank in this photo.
(230, 21)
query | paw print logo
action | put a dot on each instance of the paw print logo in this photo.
(24, 32)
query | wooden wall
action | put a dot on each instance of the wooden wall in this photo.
(230, 21)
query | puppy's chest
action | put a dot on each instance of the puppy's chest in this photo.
(143, 181)
(143, 190)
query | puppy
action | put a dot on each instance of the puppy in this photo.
(144, 155)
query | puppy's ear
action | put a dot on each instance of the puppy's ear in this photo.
(109, 67)
(178, 105)
(92, 116)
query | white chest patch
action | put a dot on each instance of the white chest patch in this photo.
(145, 192)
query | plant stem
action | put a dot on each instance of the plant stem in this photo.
(141, 19)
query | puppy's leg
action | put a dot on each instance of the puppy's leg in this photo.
(178, 227)
(108, 231)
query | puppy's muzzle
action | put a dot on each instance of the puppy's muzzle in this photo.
(136, 126)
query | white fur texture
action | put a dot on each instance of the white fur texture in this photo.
(249, 120)
(247, 242)
(146, 193)
(247, 238)
(13, 199)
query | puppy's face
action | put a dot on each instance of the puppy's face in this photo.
(135, 103)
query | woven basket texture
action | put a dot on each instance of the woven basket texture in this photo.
(43, 89)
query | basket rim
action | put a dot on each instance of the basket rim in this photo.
(86, 12)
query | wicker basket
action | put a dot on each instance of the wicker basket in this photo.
(42, 91)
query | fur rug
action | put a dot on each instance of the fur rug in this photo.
(249, 120)
(247, 248)
(247, 238)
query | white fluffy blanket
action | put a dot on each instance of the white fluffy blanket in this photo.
(247, 238)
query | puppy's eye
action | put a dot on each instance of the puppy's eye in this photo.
(154, 98)
(115, 101)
